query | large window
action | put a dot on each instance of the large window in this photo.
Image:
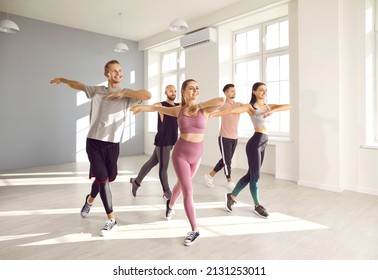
(371, 62)
(172, 73)
(261, 53)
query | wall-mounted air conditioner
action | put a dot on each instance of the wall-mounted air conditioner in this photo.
(198, 37)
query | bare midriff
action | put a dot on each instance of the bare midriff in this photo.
(193, 137)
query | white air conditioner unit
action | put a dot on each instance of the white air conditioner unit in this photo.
(198, 37)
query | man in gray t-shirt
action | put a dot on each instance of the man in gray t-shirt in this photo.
(109, 106)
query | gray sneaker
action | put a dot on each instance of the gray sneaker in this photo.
(108, 227)
(169, 213)
(134, 186)
(86, 208)
(261, 211)
(229, 201)
(191, 238)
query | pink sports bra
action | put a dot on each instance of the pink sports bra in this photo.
(192, 124)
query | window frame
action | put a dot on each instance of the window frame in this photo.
(179, 71)
(262, 57)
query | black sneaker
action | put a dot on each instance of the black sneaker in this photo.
(134, 186)
(261, 211)
(108, 227)
(167, 195)
(86, 208)
(191, 238)
(169, 213)
(229, 201)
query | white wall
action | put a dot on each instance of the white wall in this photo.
(39, 121)
(200, 63)
(327, 57)
(319, 93)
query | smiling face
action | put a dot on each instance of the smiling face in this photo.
(190, 91)
(113, 71)
(260, 92)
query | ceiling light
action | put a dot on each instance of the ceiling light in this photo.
(120, 47)
(8, 26)
(178, 25)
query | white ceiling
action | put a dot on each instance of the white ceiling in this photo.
(141, 19)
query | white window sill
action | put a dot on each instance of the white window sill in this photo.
(370, 146)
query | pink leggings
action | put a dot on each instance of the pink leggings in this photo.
(186, 157)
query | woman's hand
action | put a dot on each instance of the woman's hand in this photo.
(266, 113)
(136, 109)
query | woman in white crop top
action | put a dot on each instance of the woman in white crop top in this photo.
(259, 112)
(186, 155)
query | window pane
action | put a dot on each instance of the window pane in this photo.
(272, 69)
(253, 41)
(241, 73)
(182, 79)
(284, 33)
(169, 62)
(182, 59)
(273, 95)
(241, 44)
(284, 67)
(151, 119)
(272, 36)
(253, 71)
(277, 35)
(169, 80)
(284, 92)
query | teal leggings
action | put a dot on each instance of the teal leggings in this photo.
(255, 150)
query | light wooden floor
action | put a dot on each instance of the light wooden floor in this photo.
(39, 218)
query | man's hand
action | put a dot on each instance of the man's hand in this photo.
(114, 95)
(56, 81)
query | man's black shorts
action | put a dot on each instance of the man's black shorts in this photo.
(103, 157)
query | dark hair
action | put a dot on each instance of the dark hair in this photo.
(183, 87)
(254, 88)
(110, 62)
(226, 87)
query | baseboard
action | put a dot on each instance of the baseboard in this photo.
(325, 187)
(285, 177)
(364, 190)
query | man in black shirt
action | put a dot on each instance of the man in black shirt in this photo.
(166, 137)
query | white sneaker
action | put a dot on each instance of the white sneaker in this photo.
(108, 227)
(209, 181)
(230, 185)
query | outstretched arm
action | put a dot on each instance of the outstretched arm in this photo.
(171, 111)
(246, 108)
(212, 104)
(207, 106)
(276, 108)
(141, 94)
(71, 83)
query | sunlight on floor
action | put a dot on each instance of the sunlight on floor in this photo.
(226, 225)
(59, 178)
(209, 227)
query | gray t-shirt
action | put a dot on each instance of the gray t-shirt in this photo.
(107, 116)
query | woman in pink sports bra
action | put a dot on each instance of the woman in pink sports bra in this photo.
(186, 156)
